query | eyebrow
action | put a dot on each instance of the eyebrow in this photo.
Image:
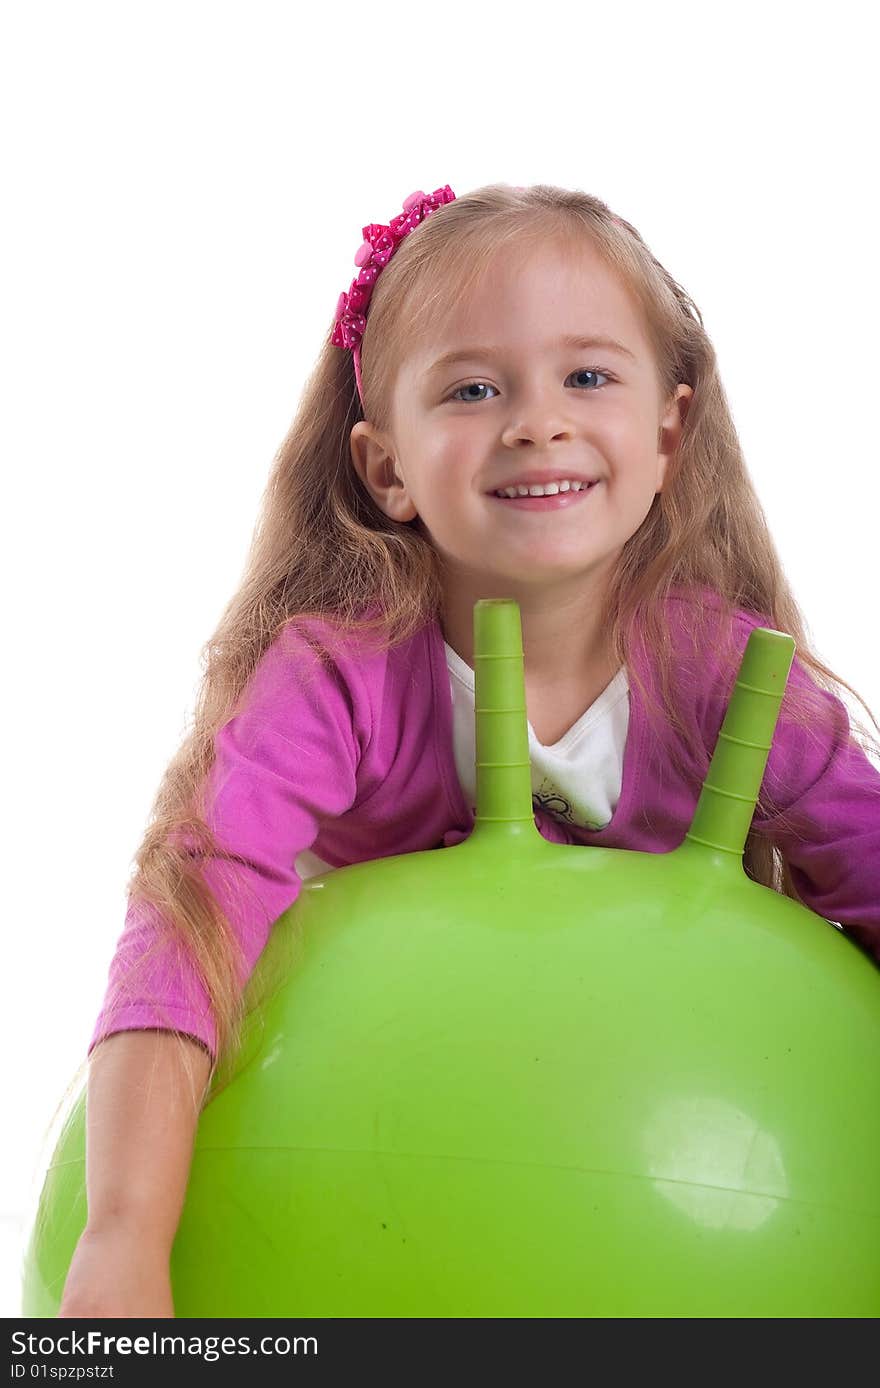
(609, 344)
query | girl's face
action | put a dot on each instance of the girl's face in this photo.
(530, 405)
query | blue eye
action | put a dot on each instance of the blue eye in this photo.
(483, 385)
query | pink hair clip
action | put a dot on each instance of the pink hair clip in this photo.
(379, 244)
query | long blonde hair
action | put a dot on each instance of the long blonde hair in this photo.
(322, 547)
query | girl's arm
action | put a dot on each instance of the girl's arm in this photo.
(145, 1094)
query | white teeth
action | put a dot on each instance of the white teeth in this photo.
(550, 490)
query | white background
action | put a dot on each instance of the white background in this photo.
(185, 186)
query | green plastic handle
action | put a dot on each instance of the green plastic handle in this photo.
(730, 791)
(504, 787)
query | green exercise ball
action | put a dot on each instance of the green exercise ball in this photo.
(523, 1079)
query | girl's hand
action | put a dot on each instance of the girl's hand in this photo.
(118, 1273)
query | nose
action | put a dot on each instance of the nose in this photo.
(539, 419)
(539, 428)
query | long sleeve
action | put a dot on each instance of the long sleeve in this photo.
(287, 761)
(829, 830)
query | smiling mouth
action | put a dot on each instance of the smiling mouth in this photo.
(557, 501)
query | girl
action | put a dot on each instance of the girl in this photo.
(539, 416)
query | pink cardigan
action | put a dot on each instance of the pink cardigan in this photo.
(357, 763)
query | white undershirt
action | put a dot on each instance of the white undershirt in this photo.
(578, 778)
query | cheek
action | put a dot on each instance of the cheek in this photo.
(448, 465)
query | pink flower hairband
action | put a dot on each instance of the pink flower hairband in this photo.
(379, 244)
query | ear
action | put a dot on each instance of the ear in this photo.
(671, 429)
(375, 463)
